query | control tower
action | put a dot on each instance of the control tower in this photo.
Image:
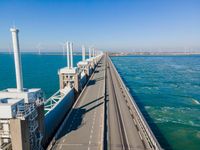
(84, 65)
(69, 76)
(21, 111)
(91, 59)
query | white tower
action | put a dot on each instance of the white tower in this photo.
(71, 53)
(68, 55)
(89, 52)
(93, 53)
(18, 69)
(83, 53)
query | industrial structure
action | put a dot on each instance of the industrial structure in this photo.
(21, 111)
(92, 101)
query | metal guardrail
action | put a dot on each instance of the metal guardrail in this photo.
(25, 110)
(145, 129)
(104, 109)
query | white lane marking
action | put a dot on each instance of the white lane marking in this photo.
(71, 144)
(60, 146)
(94, 118)
(63, 140)
(91, 132)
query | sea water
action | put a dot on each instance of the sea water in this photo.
(39, 71)
(167, 90)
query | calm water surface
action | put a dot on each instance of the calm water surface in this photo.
(39, 71)
(167, 89)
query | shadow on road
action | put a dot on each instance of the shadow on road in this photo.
(91, 82)
(77, 116)
(94, 81)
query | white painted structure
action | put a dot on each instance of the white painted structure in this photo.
(71, 53)
(83, 53)
(21, 111)
(68, 55)
(18, 69)
(69, 76)
(9, 107)
(29, 95)
(90, 51)
(93, 52)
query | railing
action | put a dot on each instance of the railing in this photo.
(33, 126)
(25, 110)
(104, 139)
(33, 115)
(6, 146)
(4, 133)
(54, 100)
(145, 129)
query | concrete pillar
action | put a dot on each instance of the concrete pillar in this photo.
(40, 118)
(71, 53)
(90, 52)
(61, 81)
(18, 69)
(83, 53)
(76, 82)
(19, 130)
(68, 55)
(93, 52)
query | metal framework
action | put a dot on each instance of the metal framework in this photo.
(53, 100)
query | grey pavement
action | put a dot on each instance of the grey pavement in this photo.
(83, 129)
(122, 134)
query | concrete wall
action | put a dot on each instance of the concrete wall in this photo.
(54, 117)
(40, 118)
(19, 134)
(83, 80)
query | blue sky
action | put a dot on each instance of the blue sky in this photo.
(105, 24)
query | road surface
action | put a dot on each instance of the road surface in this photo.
(123, 133)
(83, 128)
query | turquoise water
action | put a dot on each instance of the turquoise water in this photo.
(39, 71)
(167, 90)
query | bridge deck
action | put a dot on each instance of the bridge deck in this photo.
(83, 128)
(118, 121)
(123, 133)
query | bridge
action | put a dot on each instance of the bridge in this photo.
(105, 116)
(92, 109)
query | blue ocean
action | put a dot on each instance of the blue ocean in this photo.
(166, 88)
(39, 71)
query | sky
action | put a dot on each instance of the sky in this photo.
(122, 25)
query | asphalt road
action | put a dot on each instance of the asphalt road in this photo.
(123, 133)
(83, 128)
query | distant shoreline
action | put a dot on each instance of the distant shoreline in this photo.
(114, 54)
(155, 54)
